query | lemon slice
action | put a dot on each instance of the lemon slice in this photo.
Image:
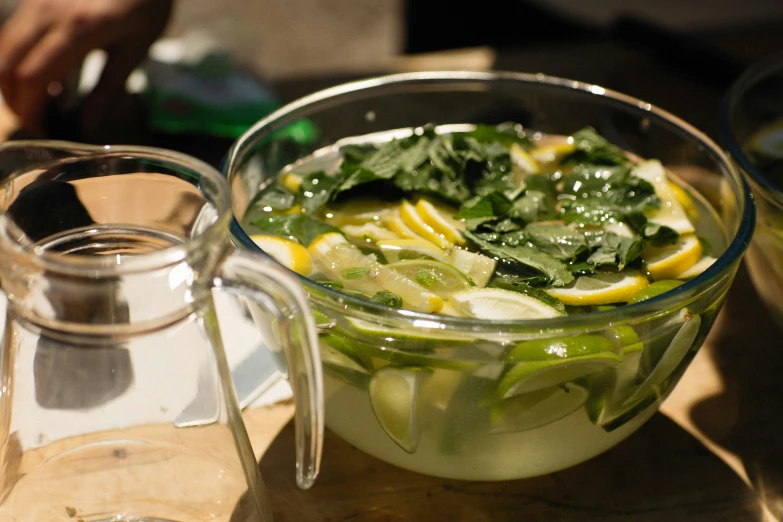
(479, 268)
(394, 397)
(538, 408)
(410, 216)
(335, 257)
(449, 229)
(286, 252)
(401, 249)
(398, 226)
(361, 211)
(439, 278)
(769, 140)
(670, 261)
(552, 153)
(685, 200)
(703, 264)
(368, 232)
(292, 182)
(601, 288)
(495, 303)
(671, 214)
(522, 159)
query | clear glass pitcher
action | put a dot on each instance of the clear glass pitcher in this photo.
(116, 400)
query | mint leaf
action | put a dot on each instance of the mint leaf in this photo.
(299, 227)
(492, 206)
(519, 284)
(594, 148)
(557, 240)
(276, 197)
(616, 250)
(533, 206)
(426, 278)
(591, 211)
(334, 285)
(356, 272)
(556, 273)
(659, 235)
(387, 298)
(316, 189)
(506, 134)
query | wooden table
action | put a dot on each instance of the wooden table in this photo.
(715, 453)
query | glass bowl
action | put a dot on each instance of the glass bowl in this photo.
(421, 391)
(752, 127)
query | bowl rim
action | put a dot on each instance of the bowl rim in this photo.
(656, 306)
(746, 80)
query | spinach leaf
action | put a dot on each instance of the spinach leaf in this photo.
(490, 207)
(616, 250)
(519, 284)
(594, 148)
(594, 181)
(506, 134)
(581, 268)
(557, 240)
(316, 189)
(429, 181)
(276, 197)
(299, 227)
(556, 273)
(387, 298)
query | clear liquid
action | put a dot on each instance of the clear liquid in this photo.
(456, 422)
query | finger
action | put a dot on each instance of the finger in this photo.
(119, 64)
(52, 59)
(19, 34)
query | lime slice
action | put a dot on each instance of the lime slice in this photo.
(411, 217)
(703, 264)
(560, 348)
(538, 408)
(450, 229)
(288, 253)
(420, 339)
(341, 261)
(669, 261)
(601, 288)
(523, 160)
(671, 359)
(479, 268)
(439, 278)
(344, 368)
(530, 376)
(401, 249)
(394, 397)
(655, 289)
(671, 214)
(499, 304)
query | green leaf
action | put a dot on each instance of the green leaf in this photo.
(516, 283)
(387, 298)
(276, 197)
(659, 235)
(594, 148)
(506, 134)
(299, 227)
(334, 285)
(316, 189)
(590, 211)
(426, 278)
(533, 206)
(492, 206)
(617, 250)
(556, 273)
(557, 240)
(356, 272)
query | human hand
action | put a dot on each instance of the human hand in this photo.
(45, 41)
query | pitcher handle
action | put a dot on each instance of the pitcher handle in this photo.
(252, 277)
